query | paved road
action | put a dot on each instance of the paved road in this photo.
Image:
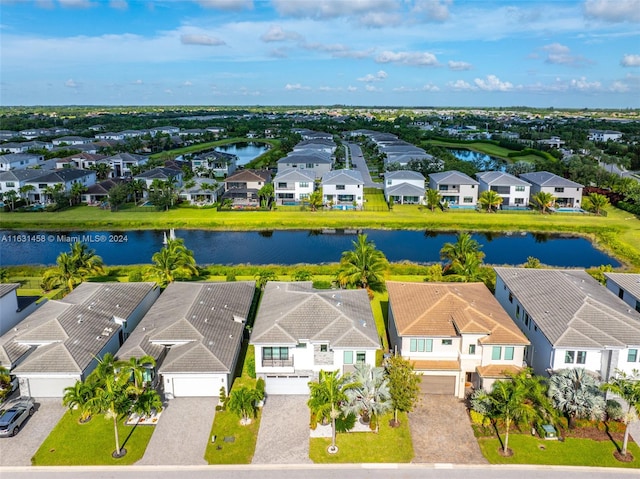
(283, 437)
(358, 163)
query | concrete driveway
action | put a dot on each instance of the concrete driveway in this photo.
(18, 450)
(182, 432)
(283, 437)
(441, 432)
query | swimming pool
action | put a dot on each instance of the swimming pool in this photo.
(566, 209)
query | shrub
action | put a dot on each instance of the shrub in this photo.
(322, 284)
(231, 276)
(135, 276)
(613, 409)
(251, 367)
(479, 419)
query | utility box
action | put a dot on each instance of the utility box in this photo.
(549, 432)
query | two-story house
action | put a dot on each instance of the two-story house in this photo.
(161, 173)
(571, 320)
(455, 334)
(455, 188)
(19, 161)
(566, 192)
(14, 308)
(514, 191)
(343, 189)
(404, 187)
(300, 331)
(220, 163)
(626, 286)
(66, 177)
(318, 162)
(122, 163)
(243, 186)
(293, 186)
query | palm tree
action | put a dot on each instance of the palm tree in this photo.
(25, 190)
(263, 276)
(137, 369)
(102, 170)
(627, 387)
(597, 202)
(242, 401)
(576, 393)
(147, 402)
(490, 200)
(86, 259)
(303, 275)
(364, 267)
(64, 274)
(370, 397)
(468, 270)
(76, 192)
(465, 258)
(266, 195)
(543, 200)
(12, 196)
(433, 199)
(315, 200)
(326, 398)
(173, 261)
(77, 397)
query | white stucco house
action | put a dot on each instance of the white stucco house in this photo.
(404, 187)
(566, 192)
(318, 162)
(61, 342)
(66, 177)
(14, 308)
(194, 332)
(293, 185)
(455, 188)
(514, 191)
(626, 286)
(343, 189)
(455, 334)
(571, 321)
(300, 331)
(19, 161)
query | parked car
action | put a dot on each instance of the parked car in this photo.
(14, 413)
(6, 388)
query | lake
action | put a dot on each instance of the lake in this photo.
(244, 151)
(297, 246)
(482, 161)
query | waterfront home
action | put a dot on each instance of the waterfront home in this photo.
(67, 177)
(455, 334)
(300, 331)
(571, 320)
(71, 140)
(456, 189)
(343, 189)
(99, 193)
(404, 187)
(14, 308)
(202, 191)
(19, 161)
(122, 163)
(566, 192)
(293, 185)
(194, 332)
(243, 186)
(162, 174)
(317, 162)
(514, 191)
(219, 163)
(16, 179)
(61, 342)
(626, 286)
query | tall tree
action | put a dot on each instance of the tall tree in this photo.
(77, 397)
(364, 266)
(315, 200)
(543, 201)
(404, 385)
(242, 401)
(627, 387)
(73, 268)
(24, 191)
(75, 194)
(12, 196)
(433, 199)
(576, 393)
(490, 200)
(173, 261)
(266, 194)
(596, 202)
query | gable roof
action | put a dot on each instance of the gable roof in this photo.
(347, 177)
(295, 174)
(202, 322)
(451, 309)
(572, 309)
(6, 288)
(544, 178)
(307, 156)
(21, 175)
(249, 176)
(404, 175)
(404, 189)
(628, 281)
(295, 311)
(62, 175)
(452, 177)
(159, 172)
(72, 331)
(500, 178)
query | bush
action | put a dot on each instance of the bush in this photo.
(231, 276)
(321, 284)
(479, 419)
(135, 276)
(251, 367)
(613, 409)
(629, 207)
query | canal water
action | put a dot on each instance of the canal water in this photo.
(244, 151)
(482, 161)
(298, 246)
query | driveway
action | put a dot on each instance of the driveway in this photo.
(182, 432)
(441, 432)
(18, 450)
(283, 437)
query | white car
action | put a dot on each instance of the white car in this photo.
(13, 415)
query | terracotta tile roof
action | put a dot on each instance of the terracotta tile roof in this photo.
(498, 370)
(437, 365)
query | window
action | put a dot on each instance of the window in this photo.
(569, 357)
(447, 342)
(638, 306)
(510, 297)
(10, 184)
(443, 187)
(348, 357)
(519, 201)
(421, 345)
(323, 348)
(361, 356)
(620, 293)
(310, 166)
(301, 345)
(496, 353)
(282, 185)
(581, 357)
(527, 322)
(578, 357)
(275, 353)
(472, 349)
(558, 190)
(518, 311)
(508, 353)
(632, 356)
(304, 184)
(340, 187)
(467, 199)
(520, 188)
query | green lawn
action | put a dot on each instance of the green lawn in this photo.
(74, 444)
(571, 452)
(240, 451)
(389, 445)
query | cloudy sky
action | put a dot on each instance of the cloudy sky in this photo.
(579, 53)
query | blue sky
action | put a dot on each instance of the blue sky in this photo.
(577, 54)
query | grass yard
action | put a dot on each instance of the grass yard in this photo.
(389, 445)
(241, 450)
(74, 444)
(571, 452)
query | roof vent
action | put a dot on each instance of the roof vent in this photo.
(117, 305)
(98, 338)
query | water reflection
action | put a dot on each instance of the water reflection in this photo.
(481, 161)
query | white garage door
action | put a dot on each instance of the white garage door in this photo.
(45, 387)
(438, 384)
(195, 387)
(277, 384)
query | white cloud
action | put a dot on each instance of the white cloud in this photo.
(583, 85)
(430, 87)
(324, 9)
(372, 88)
(70, 83)
(138, 82)
(381, 75)
(613, 10)
(379, 19)
(434, 10)
(168, 91)
(226, 4)
(493, 83)
(76, 3)
(279, 53)
(296, 86)
(408, 58)
(277, 34)
(352, 88)
(461, 85)
(187, 83)
(630, 61)
(558, 54)
(619, 87)
(200, 39)
(458, 66)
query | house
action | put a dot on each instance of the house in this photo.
(14, 308)
(626, 286)
(293, 186)
(122, 163)
(318, 162)
(455, 188)
(343, 189)
(71, 140)
(515, 192)
(60, 343)
(604, 135)
(164, 130)
(566, 192)
(79, 160)
(455, 334)
(160, 173)
(219, 163)
(571, 320)
(202, 191)
(404, 187)
(300, 331)
(16, 179)
(66, 177)
(99, 193)
(25, 146)
(194, 332)
(321, 145)
(242, 187)
(109, 135)
(19, 161)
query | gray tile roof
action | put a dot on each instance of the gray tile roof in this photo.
(628, 281)
(500, 178)
(21, 175)
(295, 174)
(544, 178)
(290, 312)
(6, 288)
(403, 175)
(452, 177)
(348, 177)
(74, 329)
(572, 309)
(405, 189)
(208, 318)
(62, 175)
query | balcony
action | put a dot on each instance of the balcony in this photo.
(277, 363)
